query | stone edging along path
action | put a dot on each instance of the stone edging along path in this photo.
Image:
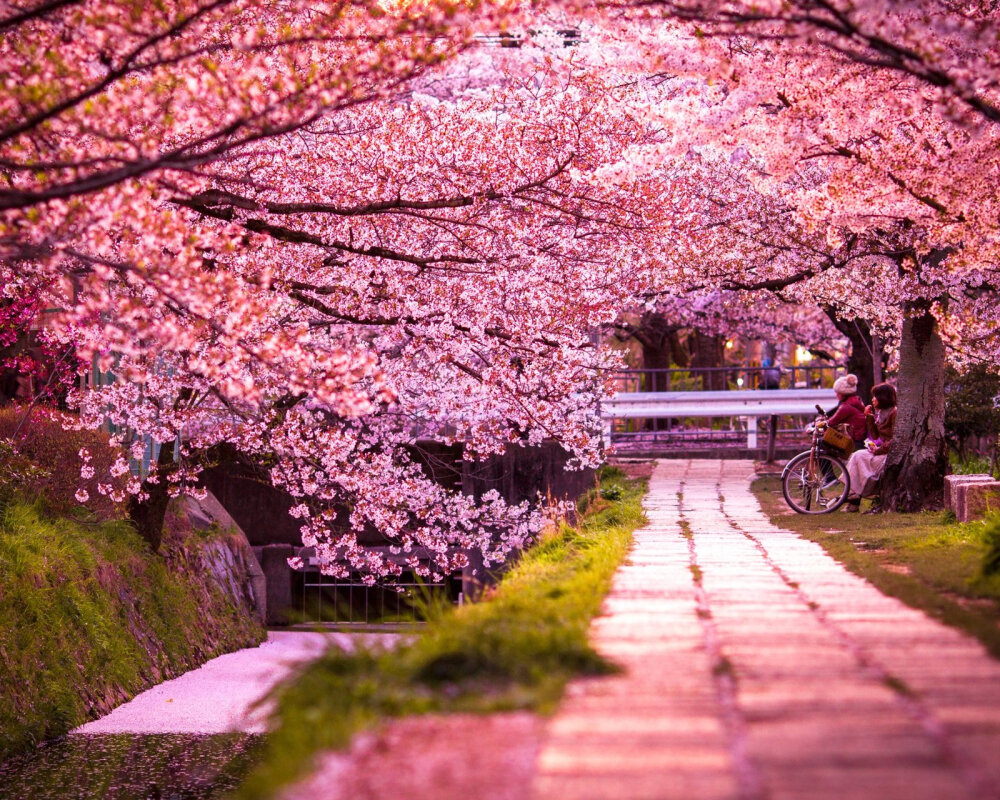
(755, 667)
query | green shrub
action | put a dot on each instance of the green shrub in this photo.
(968, 464)
(971, 404)
(608, 473)
(48, 461)
(612, 492)
(991, 561)
(18, 473)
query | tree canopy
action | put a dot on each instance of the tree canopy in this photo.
(319, 232)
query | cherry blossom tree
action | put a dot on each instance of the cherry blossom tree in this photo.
(472, 274)
(103, 145)
(40, 358)
(110, 107)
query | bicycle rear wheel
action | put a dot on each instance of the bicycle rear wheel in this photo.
(815, 484)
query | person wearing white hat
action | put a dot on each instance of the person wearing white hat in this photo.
(850, 412)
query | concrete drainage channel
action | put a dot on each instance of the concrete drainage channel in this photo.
(194, 737)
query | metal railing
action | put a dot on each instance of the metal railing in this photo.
(735, 433)
(349, 601)
(716, 418)
(733, 378)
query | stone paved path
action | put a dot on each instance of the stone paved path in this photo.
(756, 667)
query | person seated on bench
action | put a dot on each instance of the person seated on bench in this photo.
(864, 467)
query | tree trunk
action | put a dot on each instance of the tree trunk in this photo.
(656, 356)
(708, 351)
(148, 515)
(861, 364)
(658, 337)
(660, 342)
(915, 468)
(860, 361)
(878, 359)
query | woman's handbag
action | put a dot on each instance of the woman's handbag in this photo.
(838, 439)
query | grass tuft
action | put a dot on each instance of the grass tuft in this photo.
(515, 649)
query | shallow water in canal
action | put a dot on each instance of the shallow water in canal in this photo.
(131, 767)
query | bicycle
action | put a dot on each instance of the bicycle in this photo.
(816, 481)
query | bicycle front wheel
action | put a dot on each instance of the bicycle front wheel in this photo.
(815, 483)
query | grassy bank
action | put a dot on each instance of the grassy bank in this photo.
(122, 766)
(516, 649)
(89, 617)
(927, 560)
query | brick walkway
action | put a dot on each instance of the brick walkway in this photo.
(757, 667)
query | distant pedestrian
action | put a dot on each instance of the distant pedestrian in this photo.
(770, 376)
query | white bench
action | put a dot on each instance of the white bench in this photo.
(749, 403)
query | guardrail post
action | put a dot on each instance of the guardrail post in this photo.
(772, 438)
(751, 433)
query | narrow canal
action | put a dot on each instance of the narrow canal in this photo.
(196, 737)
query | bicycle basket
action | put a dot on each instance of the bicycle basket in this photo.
(838, 440)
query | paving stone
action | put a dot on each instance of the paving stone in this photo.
(581, 757)
(833, 737)
(677, 784)
(695, 726)
(767, 697)
(840, 782)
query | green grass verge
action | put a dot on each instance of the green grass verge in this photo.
(515, 649)
(927, 560)
(89, 617)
